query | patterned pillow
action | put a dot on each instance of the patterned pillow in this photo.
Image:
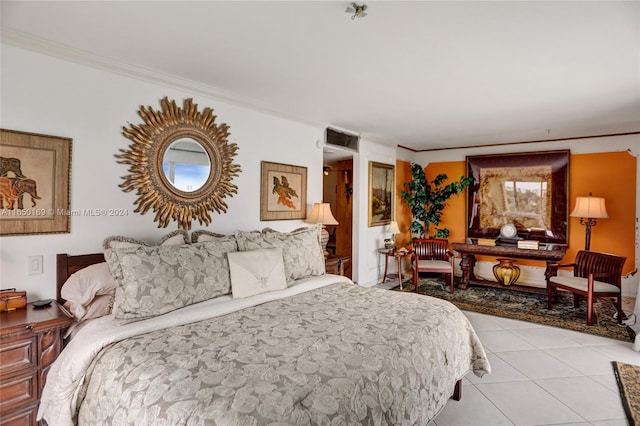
(301, 249)
(204, 235)
(175, 238)
(117, 241)
(160, 279)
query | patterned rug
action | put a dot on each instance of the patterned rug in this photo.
(529, 307)
(628, 378)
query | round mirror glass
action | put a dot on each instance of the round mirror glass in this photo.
(186, 165)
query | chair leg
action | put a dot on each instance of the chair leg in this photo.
(452, 283)
(549, 296)
(589, 308)
(415, 279)
(619, 307)
(576, 300)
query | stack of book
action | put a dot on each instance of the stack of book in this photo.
(528, 244)
(486, 242)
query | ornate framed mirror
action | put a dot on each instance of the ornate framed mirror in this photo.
(180, 163)
(526, 190)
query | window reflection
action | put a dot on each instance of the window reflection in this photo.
(518, 196)
(186, 165)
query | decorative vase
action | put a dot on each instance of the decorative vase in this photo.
(506, 272)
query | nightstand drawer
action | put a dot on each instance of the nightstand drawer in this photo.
(23, 417)
(18, 390)
(17, 355)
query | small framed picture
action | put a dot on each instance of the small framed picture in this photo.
(283, 192)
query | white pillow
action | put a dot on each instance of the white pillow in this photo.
(256, 271)
(82, 287)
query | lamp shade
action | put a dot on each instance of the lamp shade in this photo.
(393, 227)
(322, 214)
(590, 207)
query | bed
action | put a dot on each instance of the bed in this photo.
(322, 350)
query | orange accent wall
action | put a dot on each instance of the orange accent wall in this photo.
(611, 175)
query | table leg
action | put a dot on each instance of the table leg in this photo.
(386, 266)
(399, 258)
(466, 264)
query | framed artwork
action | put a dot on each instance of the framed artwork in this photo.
(34, 183)
(381, 193)
(528, 190)
(283, 192)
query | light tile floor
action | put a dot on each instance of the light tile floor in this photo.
(541, 376)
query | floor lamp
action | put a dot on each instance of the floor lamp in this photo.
(322, 214)
(589, 209)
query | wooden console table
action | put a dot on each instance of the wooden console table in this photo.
(551, 253)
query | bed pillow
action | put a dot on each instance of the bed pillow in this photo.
(100, 306)
(160, 279)
(256, 271)
(175, 238)
(117, 241)
(204, 235)
(301, 250)
(83, 287)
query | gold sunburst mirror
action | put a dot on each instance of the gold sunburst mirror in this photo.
(180, 163)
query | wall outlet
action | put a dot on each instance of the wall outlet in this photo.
(34, 265)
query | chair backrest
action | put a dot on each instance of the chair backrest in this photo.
(593, 262)
(431, 248)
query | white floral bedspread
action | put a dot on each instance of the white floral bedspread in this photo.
(340, 354)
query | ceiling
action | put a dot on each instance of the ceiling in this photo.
(419, 74)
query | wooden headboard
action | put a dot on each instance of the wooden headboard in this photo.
(67, 265)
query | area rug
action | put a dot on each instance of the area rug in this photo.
(529, 307)
(628, 378)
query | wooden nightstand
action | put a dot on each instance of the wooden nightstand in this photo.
(30, 340)
(334, 264)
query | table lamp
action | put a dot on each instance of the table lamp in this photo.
(322, 214)
(588, 209)
(390, 243)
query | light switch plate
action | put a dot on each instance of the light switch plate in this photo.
(34, 265)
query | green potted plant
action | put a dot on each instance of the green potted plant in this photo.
(427, 200)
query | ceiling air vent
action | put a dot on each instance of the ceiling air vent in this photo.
(341, 139)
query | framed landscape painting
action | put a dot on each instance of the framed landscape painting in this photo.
(381, 195)
(34, 183)
(283, 192)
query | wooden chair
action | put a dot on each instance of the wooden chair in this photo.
(594, 275)
(432, 255)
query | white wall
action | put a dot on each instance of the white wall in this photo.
(367, 261)
(42, 94)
